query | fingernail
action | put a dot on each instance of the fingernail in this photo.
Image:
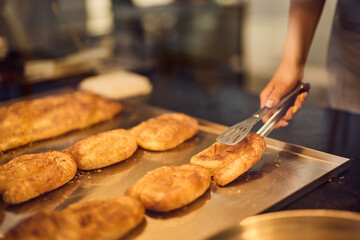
(269, 103)
(295, 109)
(302, 96)
(285, 124)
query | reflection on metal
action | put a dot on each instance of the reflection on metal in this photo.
(285, 172)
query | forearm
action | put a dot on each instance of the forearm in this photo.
(303, 19)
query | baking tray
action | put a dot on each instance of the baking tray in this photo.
(285, 172)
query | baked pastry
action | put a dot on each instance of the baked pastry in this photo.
(165, 132)
(50, 201)
(227, 162)
(30, 175)
(28, 121)
(168, 188)
(103, 149)
(44, 226)
(96, 219)
(108, 218)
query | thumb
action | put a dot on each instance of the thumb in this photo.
(271, 95)
(274, 97)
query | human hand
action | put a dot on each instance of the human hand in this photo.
(284, 80)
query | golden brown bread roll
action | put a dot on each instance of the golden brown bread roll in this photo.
(103, 149)
(168, 188)
(165, 132)
(28, 121)
(108, 218)
(97, 219)
(30, 175)
(45, 226)
(227, 162)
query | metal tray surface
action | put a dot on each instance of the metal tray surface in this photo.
(284, 173)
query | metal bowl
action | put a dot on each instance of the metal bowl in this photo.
(296, 225)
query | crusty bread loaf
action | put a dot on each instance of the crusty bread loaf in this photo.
(97, 220)
(227, 162)
(165, 132)
(28, 121)
(30, 175)
(103, 149)
(168, 188)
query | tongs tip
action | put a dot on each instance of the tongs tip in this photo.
(233, 135)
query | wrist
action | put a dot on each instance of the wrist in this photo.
(291, 69)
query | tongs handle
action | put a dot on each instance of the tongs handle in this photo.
(301, 87)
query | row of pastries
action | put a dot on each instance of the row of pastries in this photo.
(162, 189)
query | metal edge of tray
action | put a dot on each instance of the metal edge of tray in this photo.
(307, 188)
(280, 145)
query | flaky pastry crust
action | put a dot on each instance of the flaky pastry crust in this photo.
(227, 162)
(31, 175)
(103, 149)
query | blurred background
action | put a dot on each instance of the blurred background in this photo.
(46, 45)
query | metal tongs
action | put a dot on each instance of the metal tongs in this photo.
(238, 132)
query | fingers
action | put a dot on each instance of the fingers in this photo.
(299, 102)
(281, 124)
(271, 96)
(277, 88)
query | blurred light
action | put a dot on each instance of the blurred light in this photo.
(150, 3)
(227, 2)
(157, 23)
(100, 18)
(4, 47)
